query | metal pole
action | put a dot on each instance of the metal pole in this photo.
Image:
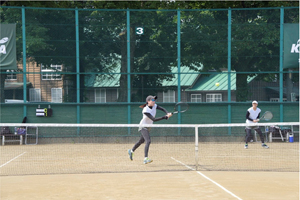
(178, 57)
(77, 69)
(178, 66)
(229, 69)
(229, 59)
(128, 71)
(24, 63)
(281, 64)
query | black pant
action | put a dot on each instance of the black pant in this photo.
(248, 131)
(144, 137)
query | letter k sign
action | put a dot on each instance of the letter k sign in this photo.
(295, 47)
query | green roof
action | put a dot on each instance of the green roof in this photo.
(113, 80)
(103, 80)
(186, 77)
(207, 83)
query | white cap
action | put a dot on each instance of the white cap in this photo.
(150, 97)
(254, 102)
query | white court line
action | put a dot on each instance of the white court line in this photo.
(208, 179)
(13, 159)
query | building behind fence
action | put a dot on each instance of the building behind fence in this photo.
(86, 66)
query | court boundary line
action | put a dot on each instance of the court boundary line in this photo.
(12, 159)
(214, 182)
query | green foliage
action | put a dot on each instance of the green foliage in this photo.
(103, 38)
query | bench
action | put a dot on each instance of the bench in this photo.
(12, 138)
(281, 133)
(31, 136)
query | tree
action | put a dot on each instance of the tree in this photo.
(103, 39)
(107, 33)
(254, 41)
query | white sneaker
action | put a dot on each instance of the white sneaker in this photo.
(147, 161)
(265, 146)
(130, 154)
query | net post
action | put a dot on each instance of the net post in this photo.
(196, 147)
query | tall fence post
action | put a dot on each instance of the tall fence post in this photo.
(24, 62)
(229, 69)
(281, 64)
(178, 66)
(77, 70)
(128, 71)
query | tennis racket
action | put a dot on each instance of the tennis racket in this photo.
(267, 116)
(180, 107)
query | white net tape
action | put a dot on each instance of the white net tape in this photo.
(152, 125)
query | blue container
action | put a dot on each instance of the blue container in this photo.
(291, 138)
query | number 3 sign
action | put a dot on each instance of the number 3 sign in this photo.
(139, 30)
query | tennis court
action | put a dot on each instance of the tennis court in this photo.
(104, 171)
(149, 185)
(81, 91)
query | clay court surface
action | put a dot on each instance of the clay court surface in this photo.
(103, 171)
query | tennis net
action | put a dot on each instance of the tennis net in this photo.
(102, 148)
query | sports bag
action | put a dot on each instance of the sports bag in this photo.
(5, 130)
(21, 131)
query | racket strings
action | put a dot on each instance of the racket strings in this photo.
(181, 107)
(268, 116)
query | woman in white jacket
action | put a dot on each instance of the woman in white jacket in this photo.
(149, 112)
